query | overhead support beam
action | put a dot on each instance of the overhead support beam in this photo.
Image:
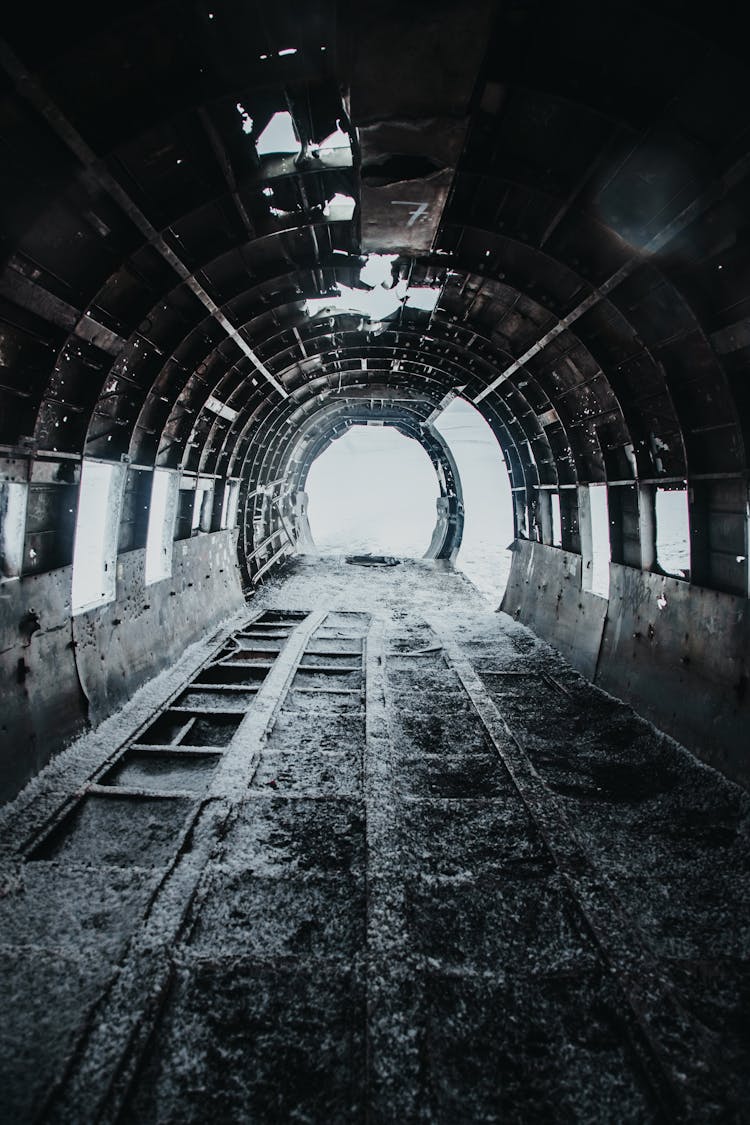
(27, 294)
(730, 179)
(29, 89)
(225, 164)
(600, 161)
(444, 403)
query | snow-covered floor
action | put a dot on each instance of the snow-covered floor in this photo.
(411, 867)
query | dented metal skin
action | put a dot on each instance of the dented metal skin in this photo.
(202, 205)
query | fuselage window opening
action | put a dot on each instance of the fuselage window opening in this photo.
(556, 520)
(600, 542)
(673, 531)
(97, 523)
(161, 519)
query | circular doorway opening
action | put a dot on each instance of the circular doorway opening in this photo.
(373, 491)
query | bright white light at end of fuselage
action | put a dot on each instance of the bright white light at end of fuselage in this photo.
(373, 491)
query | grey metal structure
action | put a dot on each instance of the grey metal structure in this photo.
(569, 182)
(385, 859)
(367, 851)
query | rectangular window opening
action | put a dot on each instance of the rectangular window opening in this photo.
(164, 493)
(556, 520)
(97, 525)
(521, 512)
(205, 506)
(224, 506)
(229, 504)
(599, 540)
(673, 531)
(12, 528)
(197, 506)
(134, 515)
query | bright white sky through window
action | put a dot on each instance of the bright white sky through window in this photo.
(338, 139)
(373, 491)
(95, 541)
(673, 531)
(278, 137)
(488, 527)
(383, 299)
(160, 518)
(600, 540)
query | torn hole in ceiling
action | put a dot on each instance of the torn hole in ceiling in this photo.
(279, 136)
